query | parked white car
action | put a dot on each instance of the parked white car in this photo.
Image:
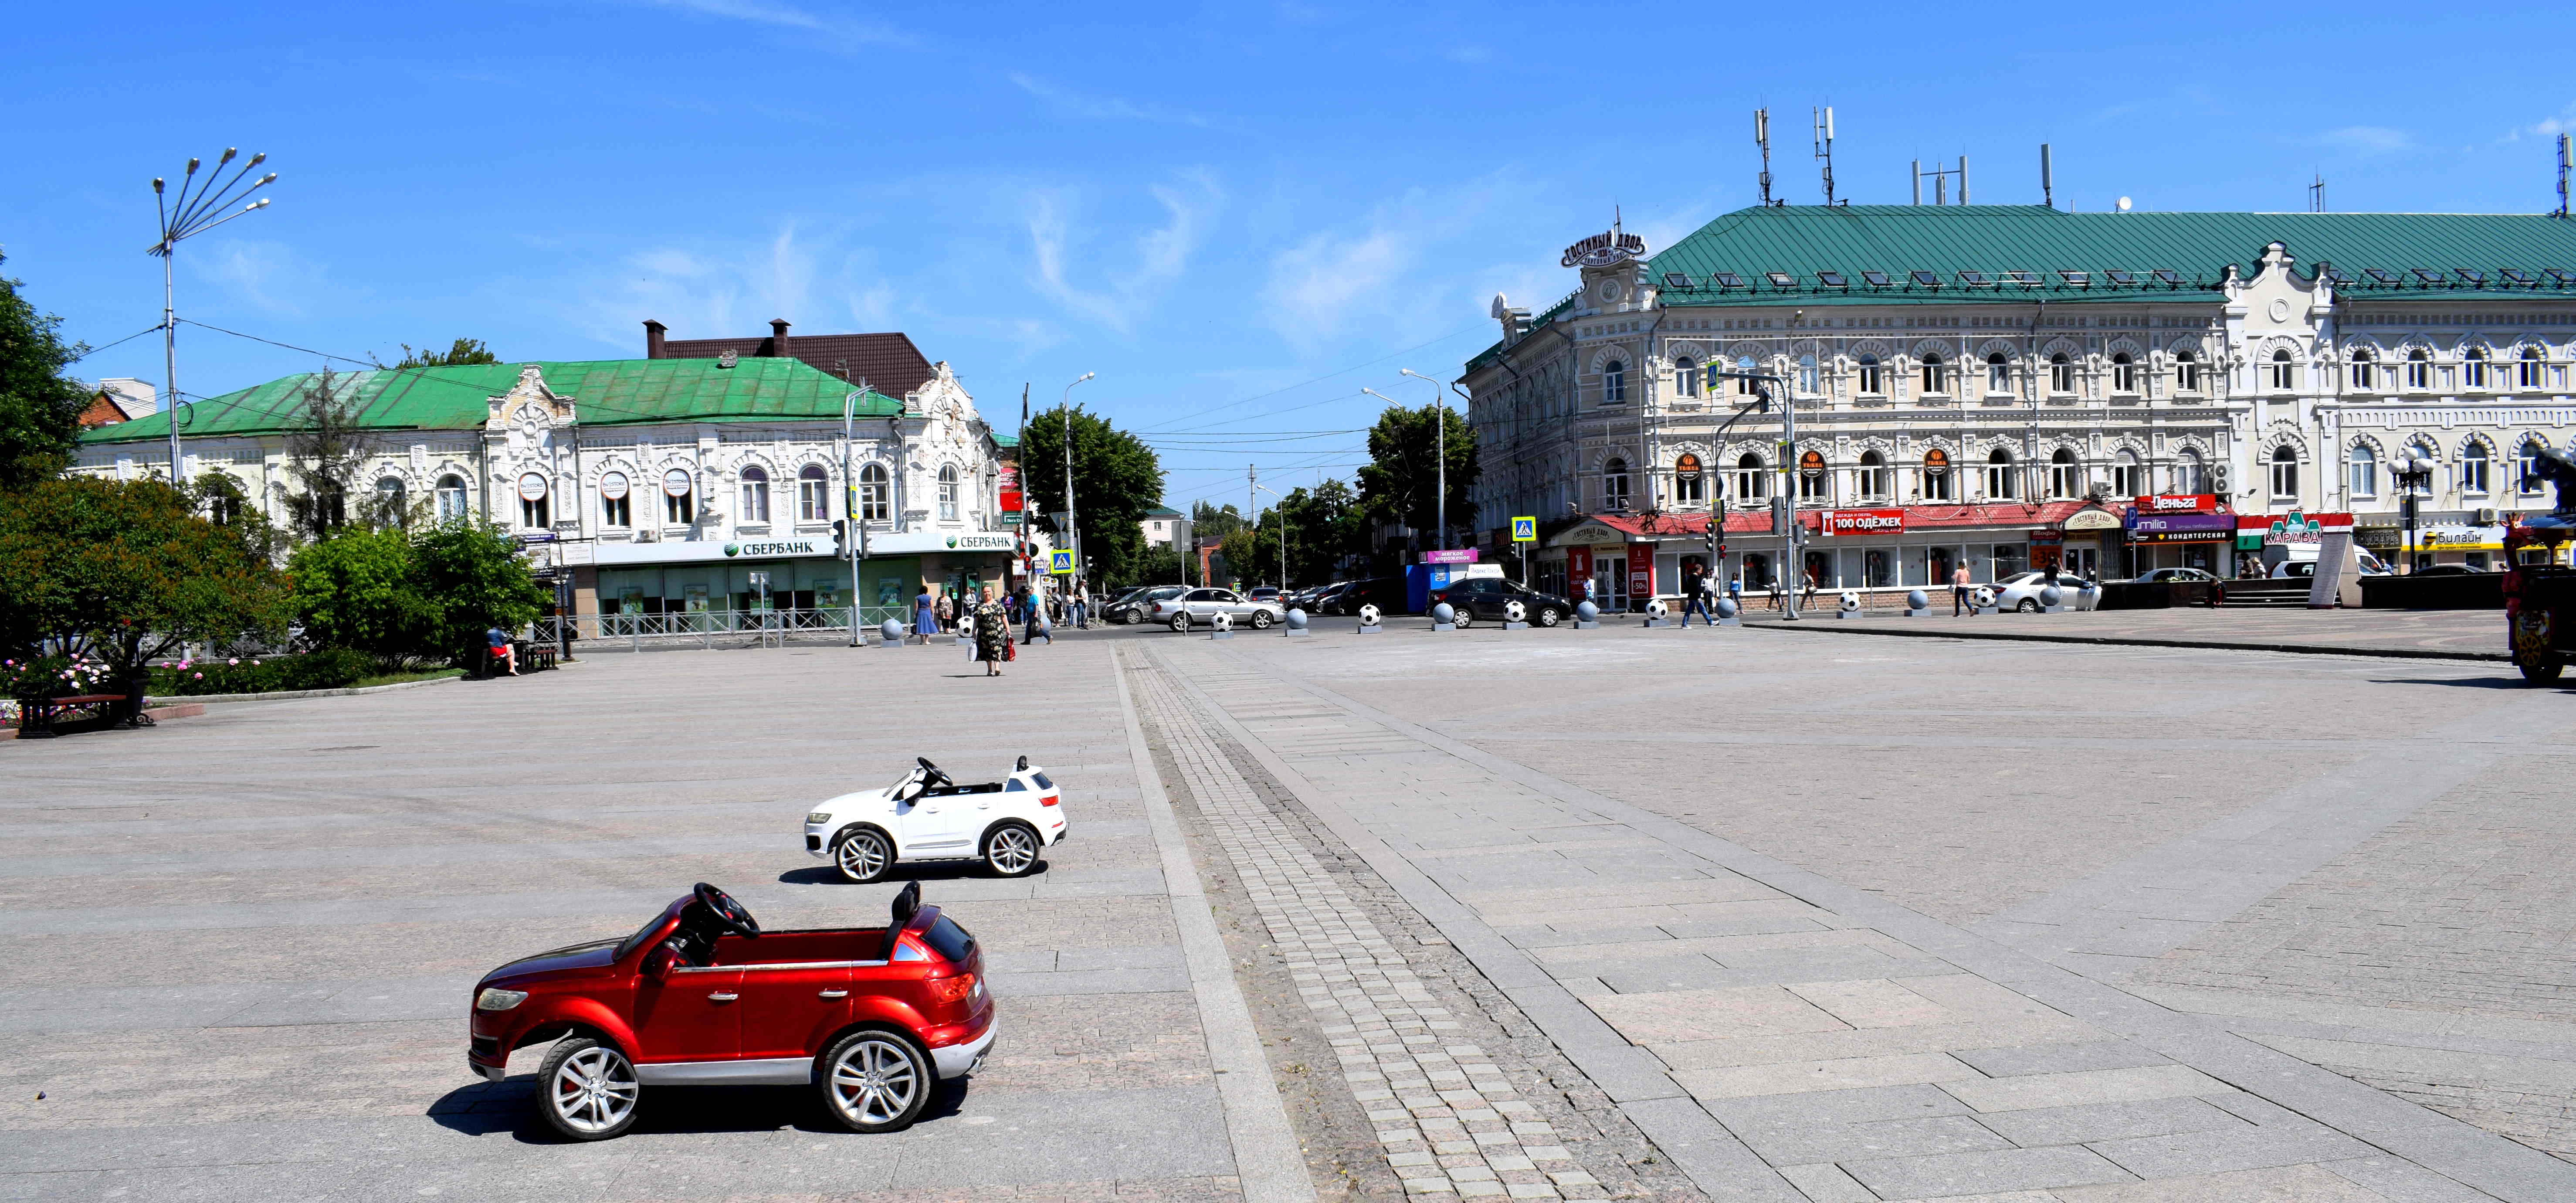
(1199, 607)
(1006, 824)
(2020, 591)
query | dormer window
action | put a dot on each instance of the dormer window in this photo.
(1728, 280)
(1927, 279)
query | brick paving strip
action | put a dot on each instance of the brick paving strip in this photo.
(1447, 1118)
(1783, 1036)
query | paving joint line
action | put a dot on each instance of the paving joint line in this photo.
(2296, 649)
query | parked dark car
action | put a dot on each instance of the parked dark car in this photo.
(1384, 592)
(1484, 597)
(1139, 603)
(1328, 600)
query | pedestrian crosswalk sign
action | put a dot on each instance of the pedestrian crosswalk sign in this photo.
(1060, 563)
(1525, 530)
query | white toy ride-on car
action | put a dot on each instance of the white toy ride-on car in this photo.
(1006, 824)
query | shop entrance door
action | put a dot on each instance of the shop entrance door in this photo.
(2083, 560)
(1612, 572)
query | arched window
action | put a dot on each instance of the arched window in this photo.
(2527, 368)
(1807, 381)
(2285, 473)
(1614, 484)
(1998, 373)
(755, 496)
(874, 504)
(1936, 376)
(2128, 476)
(2365, 371)
(2419, 370)
(2124, 373)
(392, 500)
(1685, 377)
(2065, 476)
(2186, 372)
(1936, 475)
(1875, 482)
(1690, 484)
(1873, 377)
(2189, 474)
(1813, 481)
(2473, 368)
(451, 499)
(2061, 374)
(2283, 372)
(2361, 471)
(2526, 468)
(535, 512)
(2473, 468)
(948, 493)
(813, 494)
(1752, 481)
(616, 508)
(1614, 383)
(2000, 475)
(679, 497)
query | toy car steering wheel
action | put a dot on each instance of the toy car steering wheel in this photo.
(727, 911)
(931, 774)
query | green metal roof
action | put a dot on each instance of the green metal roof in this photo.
(605, 393)
(1995, 241)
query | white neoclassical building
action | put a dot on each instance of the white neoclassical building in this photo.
(1973, 374)
(659, 485)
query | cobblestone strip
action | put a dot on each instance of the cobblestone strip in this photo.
(1448, 1118)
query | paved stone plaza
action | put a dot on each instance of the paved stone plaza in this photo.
(1749, 914)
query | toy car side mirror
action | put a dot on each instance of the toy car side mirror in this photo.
(658, 963)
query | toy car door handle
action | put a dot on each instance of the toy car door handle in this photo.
(721, 996)
(831, 994)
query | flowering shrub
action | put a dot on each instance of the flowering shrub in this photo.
(55, 677)
(333, 669)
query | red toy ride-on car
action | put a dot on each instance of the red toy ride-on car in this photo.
(699, 996)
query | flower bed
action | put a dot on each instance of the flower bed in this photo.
(265, 674)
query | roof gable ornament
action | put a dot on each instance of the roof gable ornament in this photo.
(529, 403)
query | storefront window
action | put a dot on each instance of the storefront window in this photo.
(1878, 567)
(1757, 571)
(2009, 559)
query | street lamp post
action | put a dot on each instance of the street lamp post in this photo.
(1071, 523)
(1440, 449)
(855, 545)
(186, 217)
(2413, 473)
(1783, 501)
(1282, 511)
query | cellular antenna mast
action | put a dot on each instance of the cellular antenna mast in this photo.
(1825, 147)
(1762, 138)
(2047, 183)
(2562, 175)
(2317, 194)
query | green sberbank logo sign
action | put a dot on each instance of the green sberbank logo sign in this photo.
(781, 547)
(952, 541)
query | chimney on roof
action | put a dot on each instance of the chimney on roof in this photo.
(653, 340)
(778, 337)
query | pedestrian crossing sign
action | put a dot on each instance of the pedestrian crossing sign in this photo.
(1525, 530)
(1060, 563)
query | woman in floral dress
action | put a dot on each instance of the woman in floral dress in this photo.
(992, 634)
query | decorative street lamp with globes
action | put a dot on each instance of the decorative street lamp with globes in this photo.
(191, 214)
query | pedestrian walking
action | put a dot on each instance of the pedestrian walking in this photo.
(925, 617)
(947, 613)
(1035, 611)
(1703, 595)
(1081, 609)
(1959, 592)
(1772, 582)
(992, 635)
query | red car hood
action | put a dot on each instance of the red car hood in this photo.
(598, 954)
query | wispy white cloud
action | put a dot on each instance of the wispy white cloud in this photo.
(1372, 272)
(2564, 121)
(2368, 139)
(837, 34)
(270, 276)
(1065, 102)
(731, 289)
(1159, 256)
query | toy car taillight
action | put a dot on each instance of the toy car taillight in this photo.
(952, 989)
(1049, 799)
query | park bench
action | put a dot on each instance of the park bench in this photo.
(37, 716)
(532, 657)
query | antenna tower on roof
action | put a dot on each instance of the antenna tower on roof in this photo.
(2317, 195)
(2047, 185)
(1825, 147)
(2562, 176)
(1762, 138)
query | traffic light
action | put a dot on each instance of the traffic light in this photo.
(840, 538)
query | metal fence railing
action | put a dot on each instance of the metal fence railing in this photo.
(708, 628)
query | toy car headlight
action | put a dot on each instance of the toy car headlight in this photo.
(820, 816)
(499, 1000)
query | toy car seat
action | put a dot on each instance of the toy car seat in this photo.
(907, 903)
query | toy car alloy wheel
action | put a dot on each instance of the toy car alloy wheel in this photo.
(875, 1081)
(863, 856)
(1012, 850)
(590, 1089)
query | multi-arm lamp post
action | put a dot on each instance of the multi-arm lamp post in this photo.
(1071, 525)
(1439, 399)
(190, 215)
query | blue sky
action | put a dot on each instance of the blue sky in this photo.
(1236, 215)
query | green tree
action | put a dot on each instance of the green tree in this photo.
(1400, 483)
(1116, 479)
(465, 350)
(358, 591)
(1212, 522)
(472, 579)
(1325, 527)
(40, 406)
(326, 449)
(1160, 564)
(125, 571)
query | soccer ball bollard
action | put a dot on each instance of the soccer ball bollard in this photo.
(1515, 615)
(1222, 626)
(1586, 615)
(1850, 605)
(1983, 599)
(892, 632)
(2052, 600)
(1729, 612)
(1444, 618)
(1369, 619)
(1296, 619)
(1657, 612)
(1917, 605)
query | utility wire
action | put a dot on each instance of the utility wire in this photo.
(127, 339)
